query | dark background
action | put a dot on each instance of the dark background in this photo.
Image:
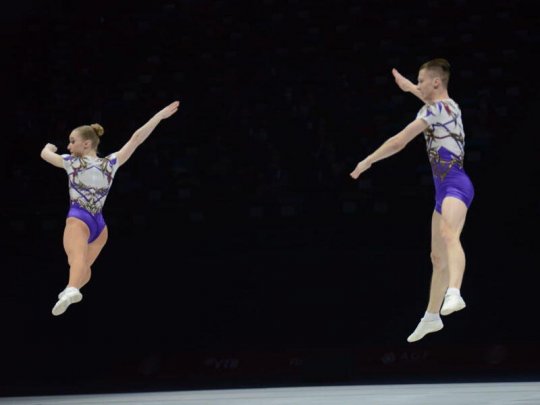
(240, 252)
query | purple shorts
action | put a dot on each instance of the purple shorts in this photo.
(454, 183)
(95, 223)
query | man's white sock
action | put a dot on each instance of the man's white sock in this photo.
(430, 316)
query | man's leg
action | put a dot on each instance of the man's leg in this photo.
(439, 260)
(431, 322)
(454, 213)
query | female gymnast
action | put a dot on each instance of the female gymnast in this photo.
(90, 179)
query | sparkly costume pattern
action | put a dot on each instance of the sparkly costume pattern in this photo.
(90, 179)
(445, 143)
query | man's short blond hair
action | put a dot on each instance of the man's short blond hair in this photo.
(440, 67)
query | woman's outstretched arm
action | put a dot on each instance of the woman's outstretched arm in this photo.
(140, 135)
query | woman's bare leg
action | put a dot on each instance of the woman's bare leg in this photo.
(94, 249)
(76, 246)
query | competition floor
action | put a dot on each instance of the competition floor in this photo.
(525, 393)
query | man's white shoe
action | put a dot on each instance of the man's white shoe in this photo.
(70, 295)
(62, 293)
(452, 303)
(423, 328)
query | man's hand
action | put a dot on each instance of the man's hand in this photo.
(403, 83)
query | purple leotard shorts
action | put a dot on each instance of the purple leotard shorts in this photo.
(95, 223)
(455, 183)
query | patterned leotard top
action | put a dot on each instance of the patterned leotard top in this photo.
(90, 179)
(445, 138)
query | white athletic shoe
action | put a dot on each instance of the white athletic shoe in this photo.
(62, 293)
(70, 295)
(452, 303)
(423, 328)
